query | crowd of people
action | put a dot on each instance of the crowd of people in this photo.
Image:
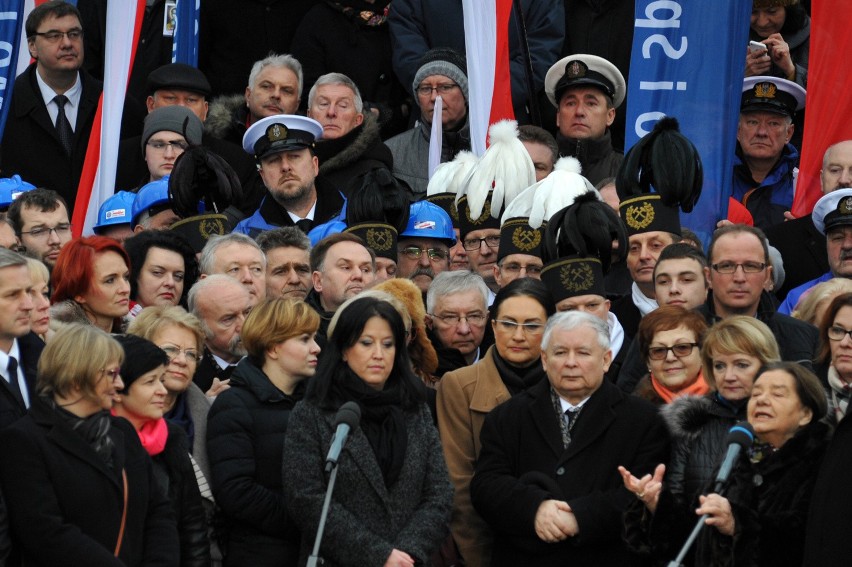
(546, 365)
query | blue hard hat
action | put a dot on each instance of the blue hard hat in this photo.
(151, 195)
(428, 220)
(115, 210)
(10, 188)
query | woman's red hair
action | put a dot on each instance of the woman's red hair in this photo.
(75, 267)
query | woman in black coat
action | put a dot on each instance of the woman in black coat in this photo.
(79, 486)
(391, 504)
(246, 428)
(142, 403)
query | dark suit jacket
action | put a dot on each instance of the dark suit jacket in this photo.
(65, 503)
(523, 463)
(11, 410)
(31, 146)
(802, 247)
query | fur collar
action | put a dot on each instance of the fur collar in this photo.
(350, 148)
(224, 113)
(687, 416)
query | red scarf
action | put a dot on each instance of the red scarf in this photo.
(697, 388)
(153, 435)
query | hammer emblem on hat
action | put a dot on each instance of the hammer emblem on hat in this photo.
(578, 277)
(639, 218)
(524, 239)
(379, 239)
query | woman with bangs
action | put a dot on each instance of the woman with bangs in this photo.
(91, 283)
(40, 294)
(246, 429)
(79, 485)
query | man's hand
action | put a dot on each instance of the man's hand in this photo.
(218, 387)
(555, 522)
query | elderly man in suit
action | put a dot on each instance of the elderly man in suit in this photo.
(547, 479)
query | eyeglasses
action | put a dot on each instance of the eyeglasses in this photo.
(43, 232)
(473, 319)
(511, 326)
(425, 90)
(476, 243)
(679, 350)
(173, 352)
(54, 36)
(531, 270)
(414, 252)
(836, 333)
(112, 374)
(175, 145)
(731, 267)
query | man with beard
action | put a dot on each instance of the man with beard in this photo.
(283, 147)
(798, 240)
(40, 220)
(424, 246)
(221, 303)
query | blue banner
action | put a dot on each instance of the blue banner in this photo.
(185, 41)
(688, 62)
(11, 24)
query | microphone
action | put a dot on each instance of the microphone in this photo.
(739, 436)
(348, 417)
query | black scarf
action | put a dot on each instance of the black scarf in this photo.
(94, 429)
(179, 415)
(518, 378)
(382, 421)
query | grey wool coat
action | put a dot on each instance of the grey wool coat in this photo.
(366, 520)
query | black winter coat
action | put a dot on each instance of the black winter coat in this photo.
(245, 443)
(65, 504)
(176, 477)
(523, 463)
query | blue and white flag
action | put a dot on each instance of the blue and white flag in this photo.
(185, 41)
(688, 62)
(11, 24)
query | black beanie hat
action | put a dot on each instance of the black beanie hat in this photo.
(140, 356)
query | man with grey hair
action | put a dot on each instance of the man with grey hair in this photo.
(288, 263)
(20, 348)
(351, 143)
(237, 256)
(547, 470)
(274, 87)
(222, 305)
(456, 317)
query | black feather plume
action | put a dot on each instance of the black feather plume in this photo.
(379, 197)
(586, 228)
(665, 162)
(201, 175)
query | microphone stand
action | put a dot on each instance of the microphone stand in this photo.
(314, 559)
(678, 561)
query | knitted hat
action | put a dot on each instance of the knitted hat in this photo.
(140, 357)
(442, 61)
(178, 119)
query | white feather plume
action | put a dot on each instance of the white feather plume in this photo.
(558, 190)
(449, 176)
(505, 168)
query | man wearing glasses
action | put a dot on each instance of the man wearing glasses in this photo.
(40, 219)
(442, 73)
(167, 133)
(739, 272)
(456, 315)
(424, 246)
(53, 104)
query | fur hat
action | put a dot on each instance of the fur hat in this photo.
(423, 353)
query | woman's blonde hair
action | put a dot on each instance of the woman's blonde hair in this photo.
(74, 359)
(738, 335)
(151, 320)
(820, 294)
(274, 321)
(38, 270)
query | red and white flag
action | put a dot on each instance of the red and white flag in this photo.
(124, 20)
